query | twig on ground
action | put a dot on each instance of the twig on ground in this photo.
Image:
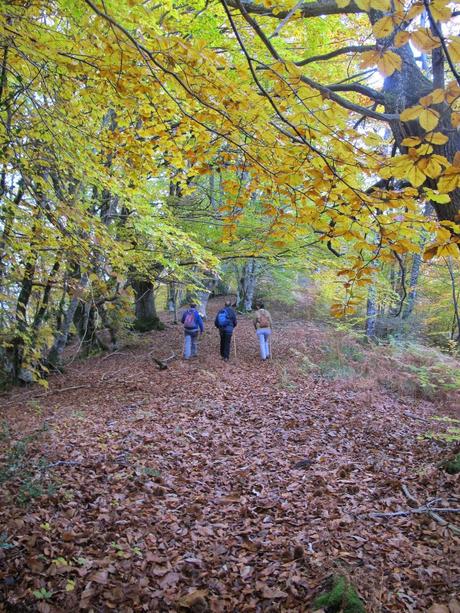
(412, 416)
(62, 463)
(422, 509)
(113, 353)
(61, 389)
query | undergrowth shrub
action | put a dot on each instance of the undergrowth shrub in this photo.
(405, 368)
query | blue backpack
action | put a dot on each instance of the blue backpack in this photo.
(223, 319)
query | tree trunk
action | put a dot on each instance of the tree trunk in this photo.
(450, 268)
(371, 312)
(85, 321)
(173, 296)
(247, 285)
(42, 310)
(146, 314)
(412, 295)
(202, 296)
(60, 341)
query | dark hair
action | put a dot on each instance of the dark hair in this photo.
(261, 305)
(192, 305)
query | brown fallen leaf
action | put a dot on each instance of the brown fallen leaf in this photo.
(272, 593)
(438, 608)
(101, 577)
(194, 601)
(454, 606)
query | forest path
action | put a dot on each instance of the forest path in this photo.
(187, 480)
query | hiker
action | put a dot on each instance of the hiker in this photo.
(226, 322)
(192, 325)
(263, 326)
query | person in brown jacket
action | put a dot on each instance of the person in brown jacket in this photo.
(263, 326)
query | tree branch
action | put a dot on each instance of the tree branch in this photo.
(308, 9)
(360, 89)
(335, 53)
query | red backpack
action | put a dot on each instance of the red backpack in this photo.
(189, 321)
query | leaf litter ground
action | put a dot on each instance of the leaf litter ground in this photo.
(222, 487)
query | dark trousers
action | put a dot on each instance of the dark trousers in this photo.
(225, 343)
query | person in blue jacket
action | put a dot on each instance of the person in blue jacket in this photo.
(226, 322)
(192, 325)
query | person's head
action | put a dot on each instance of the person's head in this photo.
(228, 303)
(261, 305)
(192, 305)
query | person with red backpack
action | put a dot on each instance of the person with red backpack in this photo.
(226, 322)
(193, 324)
(263, 326)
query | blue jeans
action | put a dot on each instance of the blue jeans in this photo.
(264, 336)
(190, 344)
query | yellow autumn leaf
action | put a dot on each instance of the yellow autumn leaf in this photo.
(364, 5)
(436, 197)
(401, 39)
(450, 180)
(430, 252)
(342, 3)
(429, 119)
(437, 96)
(451, 249)
(440, 11)
(411, 113)
(442, 234)
(414, 175)
(369, 58)
(430, 167)
(423, 40)
(380, 5)
(436, 138)
(415, 10)
(456, 161)
(455, 119)
(425, 149)
(388, 63)
(454, 48)
(452, 92)
(411, 141)
(383, 27)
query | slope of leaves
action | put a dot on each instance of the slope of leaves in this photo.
(221, 487)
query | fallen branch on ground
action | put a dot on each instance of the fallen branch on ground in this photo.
(62, 463)
(433, 512)
(162, 364)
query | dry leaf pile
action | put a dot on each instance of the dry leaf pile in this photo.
(223, 487)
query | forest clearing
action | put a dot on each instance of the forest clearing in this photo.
(213, 486)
